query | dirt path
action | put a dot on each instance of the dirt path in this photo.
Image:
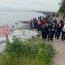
(59, 46)
(59, 58)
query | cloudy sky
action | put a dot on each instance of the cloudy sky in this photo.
(50, 5)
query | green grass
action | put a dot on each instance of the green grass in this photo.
(31, 52)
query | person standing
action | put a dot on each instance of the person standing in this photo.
(44, 31)
(53, 28)
(63, 31)
(49, 32)
(55, 21)
(61, 21)
(59, 29)
(39, 26)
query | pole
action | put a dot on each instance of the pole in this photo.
(7, 40)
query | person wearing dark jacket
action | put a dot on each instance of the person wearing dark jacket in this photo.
(44, 31)
(53, 28)
(62, 22)
(49, 32)
(63, 31)
(55, 21)
(59, 29)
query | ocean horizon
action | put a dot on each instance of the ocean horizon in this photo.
(11, 17)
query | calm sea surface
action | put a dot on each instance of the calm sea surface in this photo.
(8, 17)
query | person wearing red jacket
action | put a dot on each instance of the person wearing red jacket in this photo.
(43, 21)
(40, 26)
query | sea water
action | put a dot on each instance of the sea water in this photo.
(10, 17)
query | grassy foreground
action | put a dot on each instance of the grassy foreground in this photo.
(32, 52)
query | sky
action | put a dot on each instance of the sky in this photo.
(44, 5)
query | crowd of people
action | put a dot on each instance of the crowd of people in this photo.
(49, 27)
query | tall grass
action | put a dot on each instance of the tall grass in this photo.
(31, 52)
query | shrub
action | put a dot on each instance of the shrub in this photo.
(30, 52)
